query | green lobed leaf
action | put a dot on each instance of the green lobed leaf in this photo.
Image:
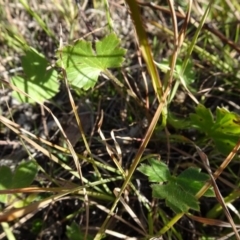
(224, 130)
(83, 63)
(157, 171)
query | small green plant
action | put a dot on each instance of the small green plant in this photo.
(178, 191)
(224, 130)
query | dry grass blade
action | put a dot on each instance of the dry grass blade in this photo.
(33, 190)
(71, 149)
(117, 147)
(194, 21)
(109, 148)
(14, 214)
(218, 172)
(213, 222)
(15, 128)
(134, 165)
(158, 90)
(130, 211)
(104, 209)
(219, 197)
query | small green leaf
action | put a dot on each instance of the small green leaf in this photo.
(38, 83)
(157, 171)
(83, 63)
(24, 174)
